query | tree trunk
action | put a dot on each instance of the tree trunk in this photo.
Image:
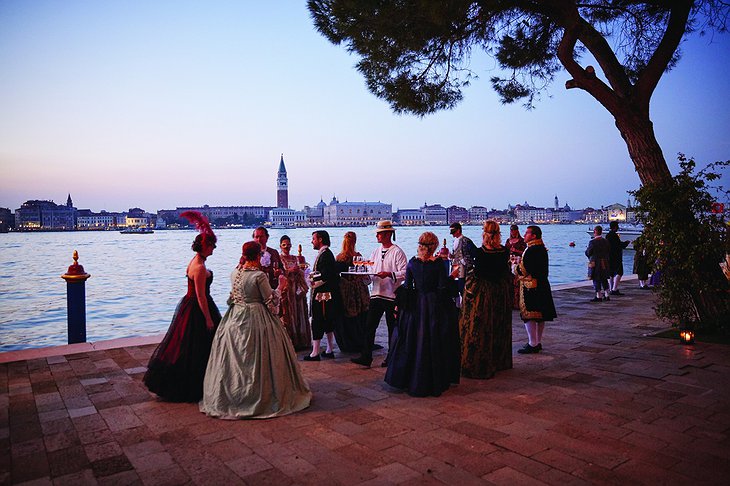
(644, 150)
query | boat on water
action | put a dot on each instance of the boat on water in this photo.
(137, 231)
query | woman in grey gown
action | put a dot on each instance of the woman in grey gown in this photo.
(252, 370)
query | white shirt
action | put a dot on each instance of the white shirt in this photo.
(394, 261)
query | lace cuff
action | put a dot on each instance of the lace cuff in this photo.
(272, 303)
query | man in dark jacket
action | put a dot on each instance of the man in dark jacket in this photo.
(326, 303)
(536, 298)
(615, 257)
(598, 264)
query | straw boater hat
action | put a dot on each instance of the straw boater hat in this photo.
(385, 225)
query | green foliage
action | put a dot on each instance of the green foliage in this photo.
(687, 243)
(415, 54)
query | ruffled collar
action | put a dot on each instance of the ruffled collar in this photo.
(537, 241)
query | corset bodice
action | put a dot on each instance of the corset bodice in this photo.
(245, 288)
(191, 285)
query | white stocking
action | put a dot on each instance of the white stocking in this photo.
(330, 341)
(531, 328)
(315, 348)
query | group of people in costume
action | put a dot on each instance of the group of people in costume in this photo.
(605, 262)
(448, 313)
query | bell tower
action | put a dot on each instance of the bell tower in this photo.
(282, 186)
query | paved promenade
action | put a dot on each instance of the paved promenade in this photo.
(602, 404)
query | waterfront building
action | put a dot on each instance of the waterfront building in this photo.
(45, 215)
(282, 186)
(566, 214)
(7, 220)
(315, 215)
(615, 212)
(434, 214)
(287, 218)
(88, 219)
(524, 213)
(139, 218)
(501, 217)
(591, 215)
(356, 213)
(456, 214)
(478, 214)
(409, 217)
(219, 215)
(136, 222)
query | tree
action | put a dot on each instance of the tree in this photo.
(415, 54)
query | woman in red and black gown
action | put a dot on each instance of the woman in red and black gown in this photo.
(177, 367)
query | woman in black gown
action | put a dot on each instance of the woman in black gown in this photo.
(177, 367)
(424, 360)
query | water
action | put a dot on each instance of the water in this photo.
(137, 280)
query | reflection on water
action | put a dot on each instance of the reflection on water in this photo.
(137, 280)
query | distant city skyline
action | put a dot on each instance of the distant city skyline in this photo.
(161, 104)
(314, 203)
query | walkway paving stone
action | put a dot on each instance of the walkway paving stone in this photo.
(604, 403)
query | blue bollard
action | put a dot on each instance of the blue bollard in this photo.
(75, 279)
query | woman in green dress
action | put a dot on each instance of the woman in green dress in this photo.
(252, 371)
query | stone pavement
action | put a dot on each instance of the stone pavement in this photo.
(602, 404)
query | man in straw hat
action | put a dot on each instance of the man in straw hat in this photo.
(389, 268)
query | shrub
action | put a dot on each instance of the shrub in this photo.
(687, 243)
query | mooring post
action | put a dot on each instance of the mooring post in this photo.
(75, 279)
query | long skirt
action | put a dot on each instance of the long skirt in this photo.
(350, 332)
(424, 358)
(176, 369)
(253, 371)
(485, 327)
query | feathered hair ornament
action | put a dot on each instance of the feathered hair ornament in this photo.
(206, 236)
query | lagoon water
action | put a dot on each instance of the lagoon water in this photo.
(137, 280)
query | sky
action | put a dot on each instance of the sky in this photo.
(159, 104)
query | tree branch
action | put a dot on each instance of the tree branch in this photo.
(649, 76)
(584, 79)
(602, 52)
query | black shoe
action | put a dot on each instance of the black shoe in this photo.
(616, 292)
(645, 287)
(595, 299)
(606, 298)
(326, 355)
(312, 358)
(539, 346)
(384, 364)
(527, 349)
(362, 361)
(376, 347)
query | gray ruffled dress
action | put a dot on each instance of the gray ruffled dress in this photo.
(252, 370)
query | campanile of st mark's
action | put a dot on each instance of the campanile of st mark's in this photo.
(282, 186)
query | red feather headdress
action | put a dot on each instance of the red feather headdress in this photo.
(201, 224)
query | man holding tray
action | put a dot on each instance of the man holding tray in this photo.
(389, 272)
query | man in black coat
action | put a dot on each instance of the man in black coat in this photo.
(615, 257)
(325, 301)
(536, 298)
